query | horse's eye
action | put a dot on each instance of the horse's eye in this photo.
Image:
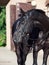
(28, 34)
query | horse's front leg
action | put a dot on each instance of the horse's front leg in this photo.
(45, 56)
(25, 52)
(19, 54)
(35, 54)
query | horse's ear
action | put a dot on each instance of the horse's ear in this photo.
(22, 13)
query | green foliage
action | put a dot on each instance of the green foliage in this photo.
(2, 25)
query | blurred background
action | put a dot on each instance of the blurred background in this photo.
(2, 26)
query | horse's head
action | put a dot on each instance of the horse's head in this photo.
(21, 29)
(20, 35)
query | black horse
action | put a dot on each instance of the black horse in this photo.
(30, 27)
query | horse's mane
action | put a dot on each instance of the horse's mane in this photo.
(37, 10)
